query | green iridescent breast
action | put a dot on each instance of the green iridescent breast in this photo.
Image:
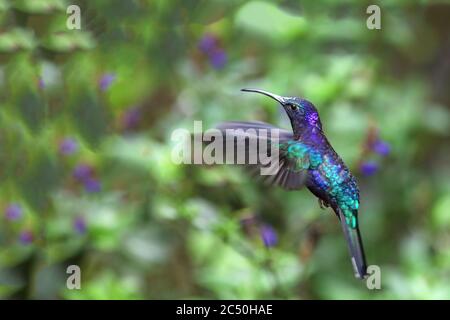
(333, 176)
(302, 155)
(341, 187)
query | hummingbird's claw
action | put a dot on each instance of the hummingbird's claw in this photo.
(323, 204)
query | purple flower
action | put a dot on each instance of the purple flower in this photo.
(268, 236)
(218, 58)
(368, 168)
(41, 83)
(381, 147)
(68, 146)
(26, 237)
(92, 185)
(208, 43)
(79, 224)
(13, 212)
(106, 80)
(131, 117)
(82, 172)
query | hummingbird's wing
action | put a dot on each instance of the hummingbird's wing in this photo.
(278, 166)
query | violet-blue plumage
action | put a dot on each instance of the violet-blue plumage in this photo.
(307, 158)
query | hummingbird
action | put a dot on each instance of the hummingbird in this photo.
(306, 158)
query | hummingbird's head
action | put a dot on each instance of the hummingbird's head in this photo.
(302, 113)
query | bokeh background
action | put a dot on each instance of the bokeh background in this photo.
(86, 175)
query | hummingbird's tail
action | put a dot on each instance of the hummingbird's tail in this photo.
(355, 246)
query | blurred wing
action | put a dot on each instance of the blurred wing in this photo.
(260, 138)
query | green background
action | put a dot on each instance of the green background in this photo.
(141, 227)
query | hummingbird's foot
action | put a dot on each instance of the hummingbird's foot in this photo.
(323, 204)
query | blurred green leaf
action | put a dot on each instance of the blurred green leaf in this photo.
(90, 118)
(268, 20)
(17, 39)
(39, 6)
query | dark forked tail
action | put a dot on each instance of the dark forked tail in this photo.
(355, 246)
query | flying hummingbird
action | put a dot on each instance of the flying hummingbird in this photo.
(306, 158)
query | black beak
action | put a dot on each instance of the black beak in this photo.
(278, 98)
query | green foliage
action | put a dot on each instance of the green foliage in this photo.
(86, 176)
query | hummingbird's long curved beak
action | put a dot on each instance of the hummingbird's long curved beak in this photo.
(276, 97)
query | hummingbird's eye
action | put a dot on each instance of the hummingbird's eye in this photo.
(293, 107)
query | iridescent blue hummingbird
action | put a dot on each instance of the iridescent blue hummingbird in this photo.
(306, 158)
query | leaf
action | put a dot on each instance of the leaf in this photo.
(39, 6)
(32, 109)
(269, 20)
(38, 182)
(69, 41)
(17, 39)
(90, 118)
(441, 213)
